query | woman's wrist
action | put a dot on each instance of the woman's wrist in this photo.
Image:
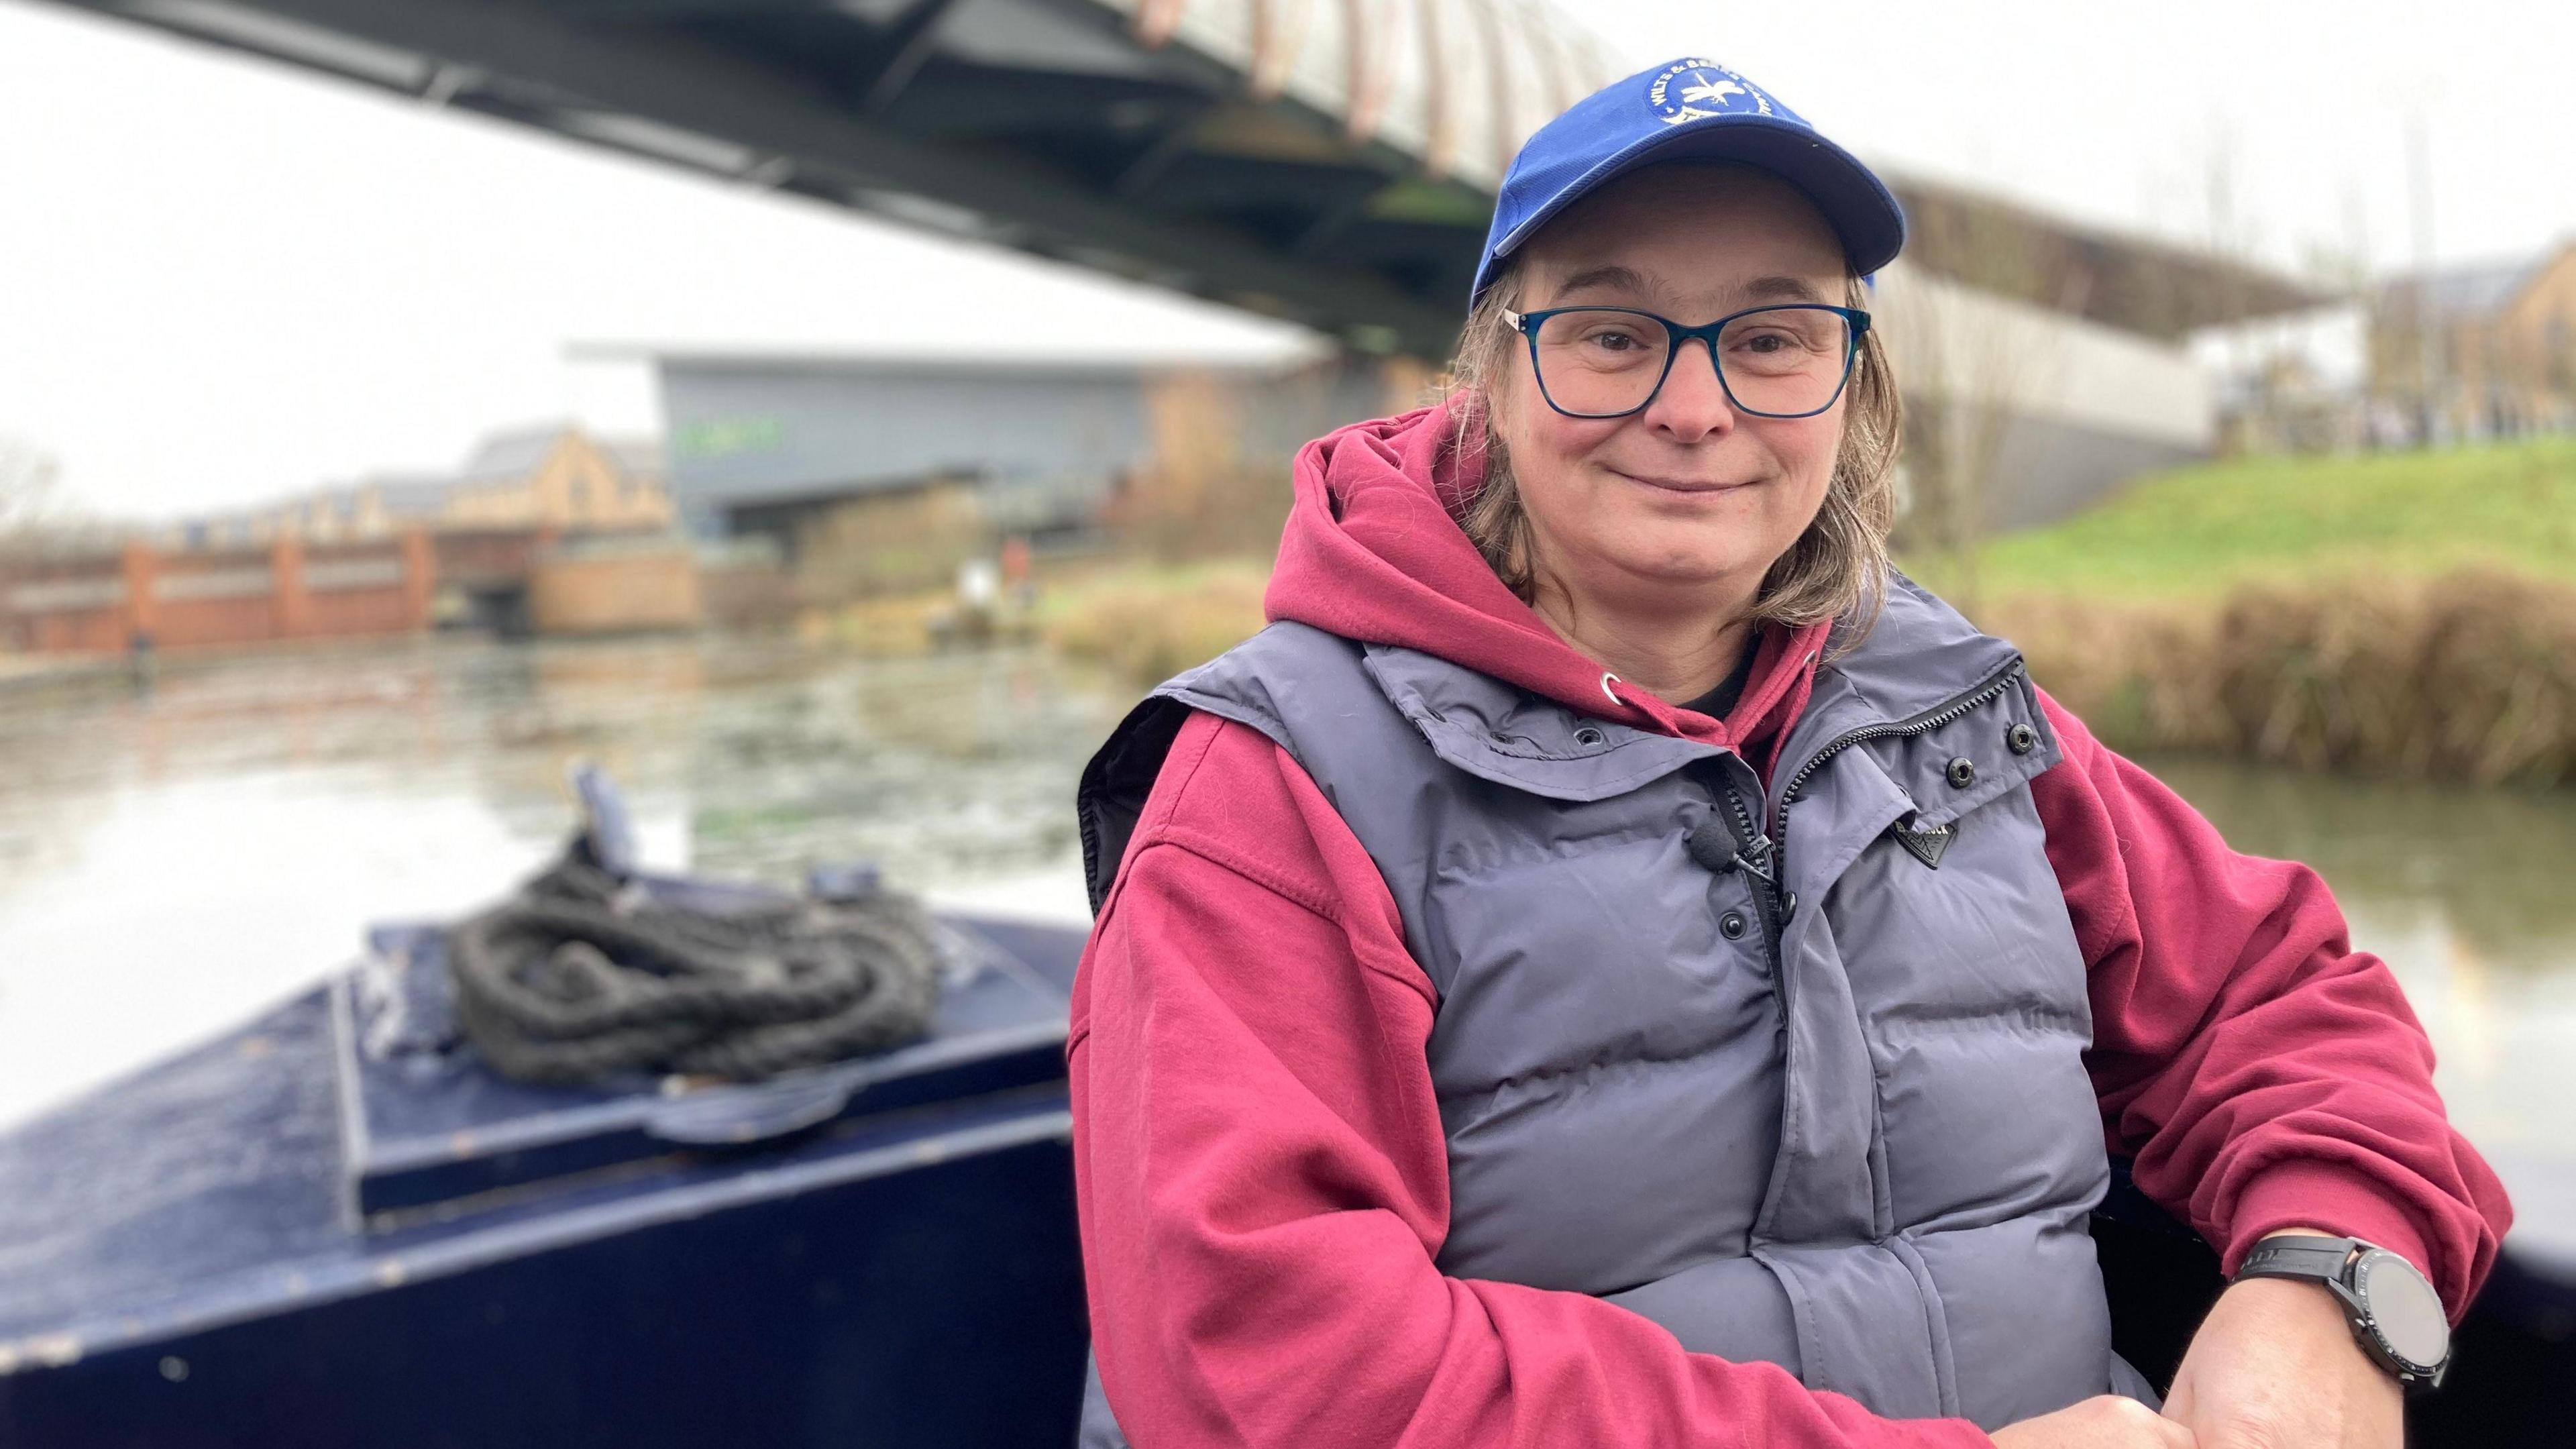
(2331, 1200)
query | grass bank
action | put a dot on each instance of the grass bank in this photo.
(2204, 532)
(2401, 613)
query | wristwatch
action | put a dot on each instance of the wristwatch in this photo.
(2394, 1313)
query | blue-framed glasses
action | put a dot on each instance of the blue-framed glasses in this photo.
(1788, 361)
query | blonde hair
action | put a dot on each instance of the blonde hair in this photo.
(1836, 570)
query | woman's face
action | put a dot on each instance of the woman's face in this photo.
(1689, 497)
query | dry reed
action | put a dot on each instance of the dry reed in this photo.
(1146, 626)
(2471, 676)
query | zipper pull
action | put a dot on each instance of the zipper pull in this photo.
(1755, 860)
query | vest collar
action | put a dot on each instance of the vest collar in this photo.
(1497, 732)
(1921, 655)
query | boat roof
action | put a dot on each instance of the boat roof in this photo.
(224, 1184)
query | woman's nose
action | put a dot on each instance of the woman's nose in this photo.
(1693, 403)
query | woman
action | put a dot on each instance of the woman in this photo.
(1612, 964)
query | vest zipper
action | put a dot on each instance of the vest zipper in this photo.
(1756, 858)
(1957, 709)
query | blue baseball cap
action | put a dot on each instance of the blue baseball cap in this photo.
(1697, 109)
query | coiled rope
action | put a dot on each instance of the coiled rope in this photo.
(582, 975)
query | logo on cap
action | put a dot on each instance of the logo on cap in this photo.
(1694, 90)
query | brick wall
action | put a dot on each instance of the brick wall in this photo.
(190, 600)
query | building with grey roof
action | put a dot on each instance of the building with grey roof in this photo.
(2485, 350)
(758, 444)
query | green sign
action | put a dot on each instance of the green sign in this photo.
(724, 437)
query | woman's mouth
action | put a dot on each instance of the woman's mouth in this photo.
(1681, 485)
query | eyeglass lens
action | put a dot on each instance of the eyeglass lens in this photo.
(1781, 361)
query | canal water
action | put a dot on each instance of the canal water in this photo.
(172, 857)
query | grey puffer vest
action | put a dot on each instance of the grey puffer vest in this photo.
(1795, 1073)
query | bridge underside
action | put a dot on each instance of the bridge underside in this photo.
(1041, 125)
(1330, 162)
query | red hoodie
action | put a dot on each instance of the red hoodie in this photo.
(1258, 1154)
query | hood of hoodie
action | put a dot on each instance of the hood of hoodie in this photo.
(1373, 552)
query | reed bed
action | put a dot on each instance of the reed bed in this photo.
(2468, 676)
(1146, 624)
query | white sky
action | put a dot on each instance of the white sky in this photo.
(223, 280)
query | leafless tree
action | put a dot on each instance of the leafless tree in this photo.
(27, 475)
(1970, 356)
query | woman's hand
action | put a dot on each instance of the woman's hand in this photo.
(2106, 1422)
(2275, 1366)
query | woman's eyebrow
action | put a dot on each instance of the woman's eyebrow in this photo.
(1781, 289)
(1624, 280)
(1612, 278)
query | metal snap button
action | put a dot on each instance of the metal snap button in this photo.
(2021, 739)
(1963, 773)
(1588, 736)
(1731, 925)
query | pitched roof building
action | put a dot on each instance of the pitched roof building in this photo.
(543, 475)
(2480, 351)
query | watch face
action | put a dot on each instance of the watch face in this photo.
(2404, 1308)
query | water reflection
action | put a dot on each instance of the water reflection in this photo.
(170, 860)
(2465, 894)
(2494, 863)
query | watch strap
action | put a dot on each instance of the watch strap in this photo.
(2296, 1255)
(2330, 1261)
